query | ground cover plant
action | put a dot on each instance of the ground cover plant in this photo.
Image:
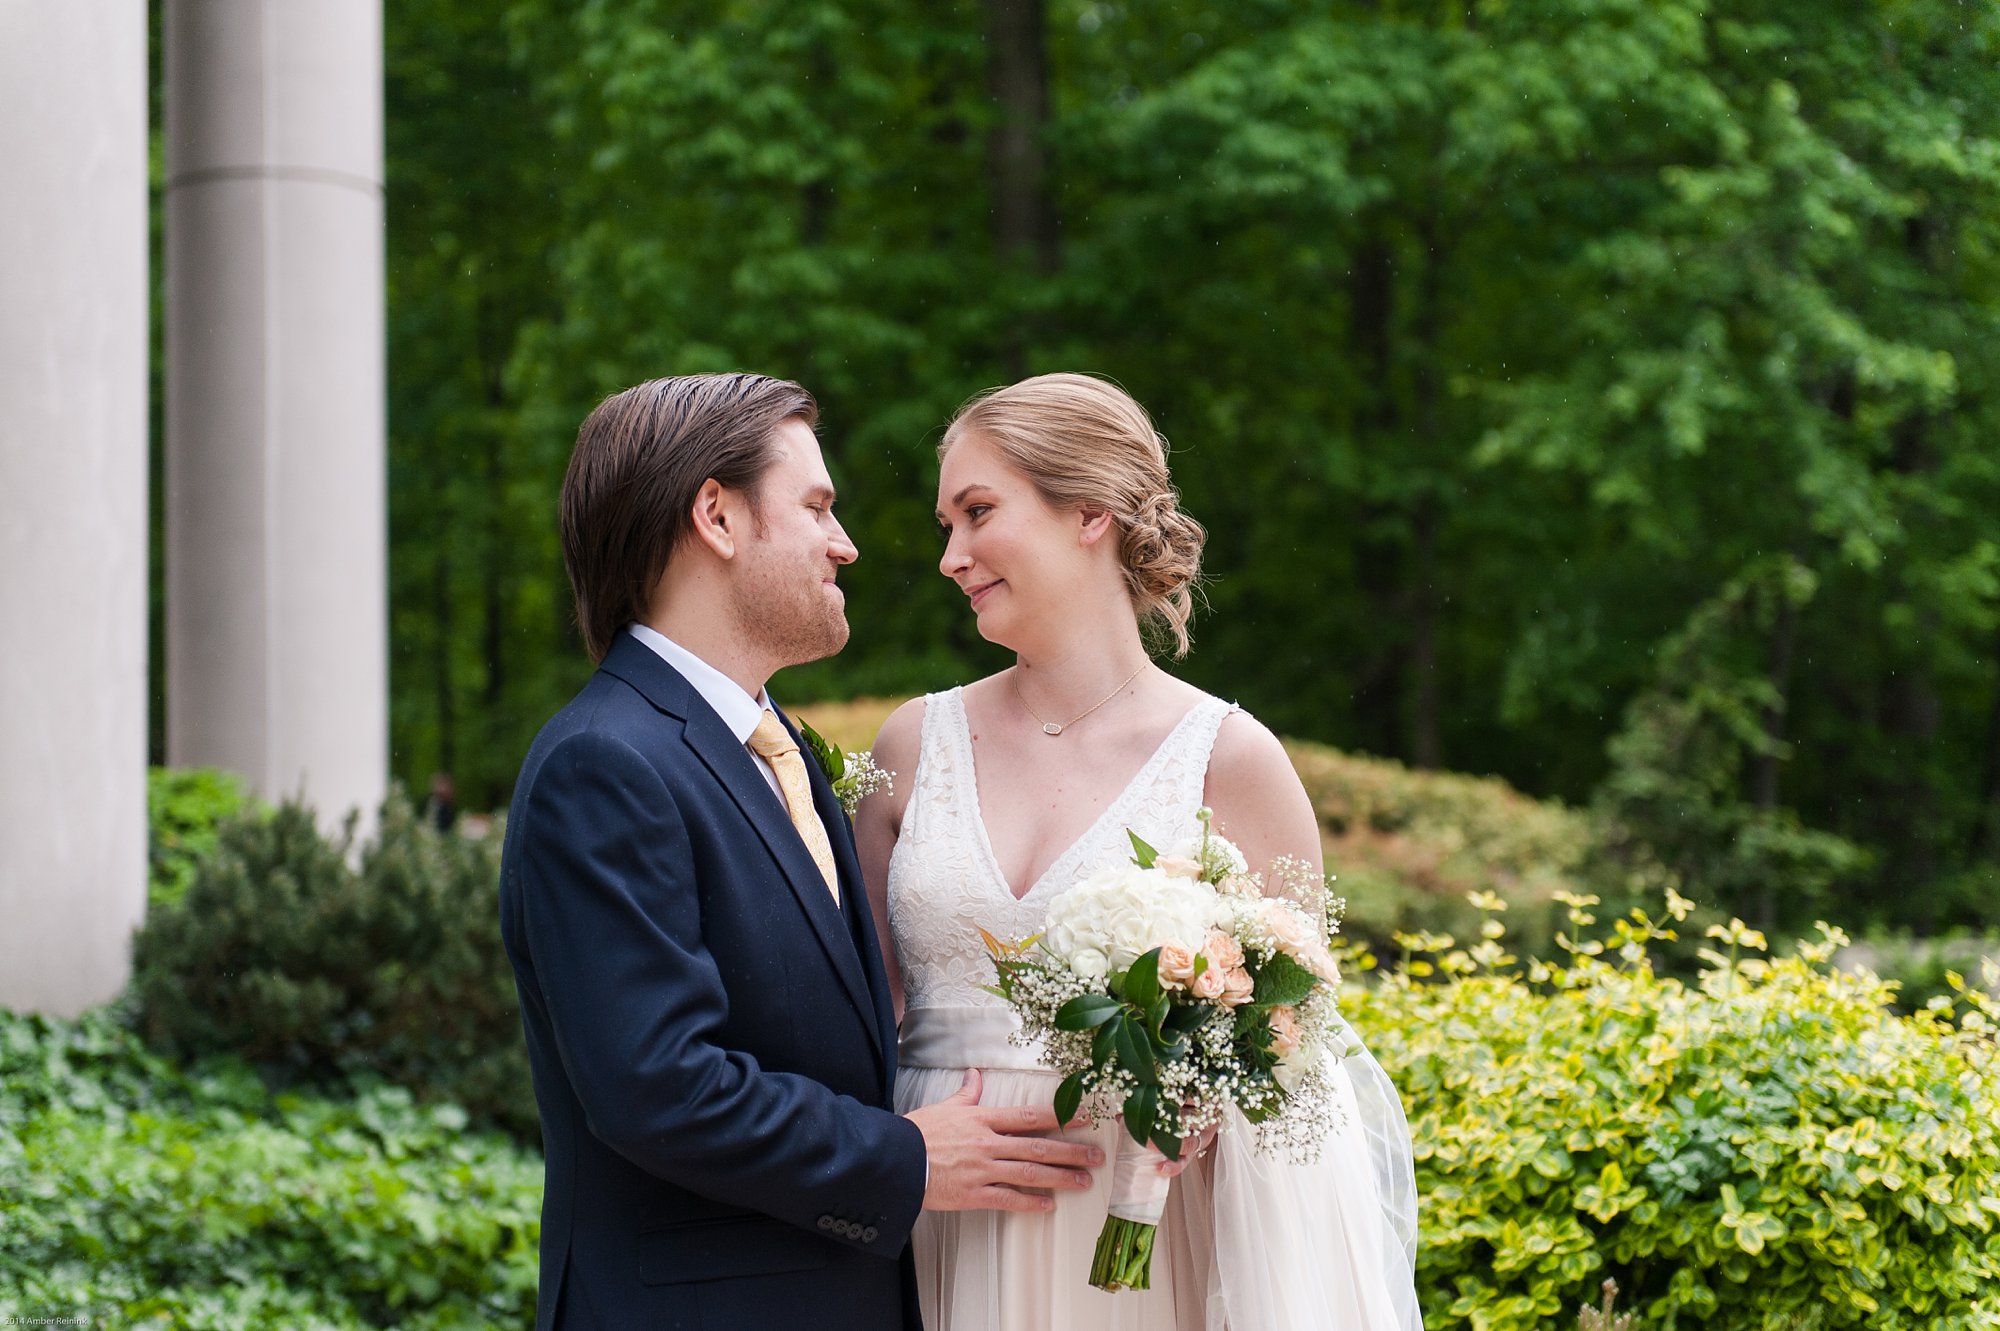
(139, 1194)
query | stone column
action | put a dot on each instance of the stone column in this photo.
(275, 495)
(72, 499)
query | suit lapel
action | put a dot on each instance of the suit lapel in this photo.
(853, 895)
(738, 772)
(732, 766)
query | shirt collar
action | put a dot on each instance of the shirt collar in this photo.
(738, 710)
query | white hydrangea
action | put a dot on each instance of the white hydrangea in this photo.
(1109, 919)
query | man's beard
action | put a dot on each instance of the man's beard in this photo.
(788, 613)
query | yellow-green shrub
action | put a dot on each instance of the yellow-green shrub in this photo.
(1766, 1147)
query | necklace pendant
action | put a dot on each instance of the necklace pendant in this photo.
(1051, 728)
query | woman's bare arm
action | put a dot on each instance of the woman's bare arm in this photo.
(879, 820)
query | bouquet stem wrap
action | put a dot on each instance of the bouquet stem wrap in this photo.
(1124, 1257)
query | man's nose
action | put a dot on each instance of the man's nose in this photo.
(841, 548)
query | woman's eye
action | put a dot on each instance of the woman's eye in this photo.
(978, 511)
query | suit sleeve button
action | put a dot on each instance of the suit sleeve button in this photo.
(868, 1235)
(826, 1222)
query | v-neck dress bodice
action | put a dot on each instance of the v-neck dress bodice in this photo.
(945, 884)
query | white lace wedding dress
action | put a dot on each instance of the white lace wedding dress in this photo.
(1248, 1243)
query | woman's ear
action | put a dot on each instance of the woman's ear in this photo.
(716, 518)
(1096, 522)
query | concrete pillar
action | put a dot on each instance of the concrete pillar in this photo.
(276, 527)
(72, 499)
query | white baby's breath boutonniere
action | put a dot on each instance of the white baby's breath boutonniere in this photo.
(855, 776)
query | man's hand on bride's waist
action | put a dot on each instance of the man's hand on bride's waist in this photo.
(997, 1159)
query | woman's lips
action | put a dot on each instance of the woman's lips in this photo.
(980, 592)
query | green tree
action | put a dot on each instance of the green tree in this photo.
(1498, 342)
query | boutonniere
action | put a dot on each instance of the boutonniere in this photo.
(854, 776)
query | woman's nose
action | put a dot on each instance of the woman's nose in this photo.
(955, 560)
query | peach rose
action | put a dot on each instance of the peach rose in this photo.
(1210, 985)
(1176, 966)
(1178, 866)
(1285, 1032)
(1241, 885)
(1237, 987)
(1319, 960)
(1222, 950)
(1288, 928)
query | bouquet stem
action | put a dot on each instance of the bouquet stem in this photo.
(1124, 1256)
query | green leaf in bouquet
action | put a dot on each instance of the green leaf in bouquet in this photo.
(1143, 855)
(1142, 1109)
(1087, 1012)
(1142, 981)
(1282, 981)
(1069, 1096)
(1156, 1017)
(1170, 1145)
(1135, 1051)
(1105, 1044)
(1186, 1018)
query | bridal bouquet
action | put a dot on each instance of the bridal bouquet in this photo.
(1169, 990)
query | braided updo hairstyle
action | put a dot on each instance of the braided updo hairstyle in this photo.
(1085, 444)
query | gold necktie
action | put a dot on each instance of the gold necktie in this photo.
(770, 742)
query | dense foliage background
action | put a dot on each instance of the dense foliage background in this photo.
(1598, 394)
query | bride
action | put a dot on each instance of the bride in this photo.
(1065, 533)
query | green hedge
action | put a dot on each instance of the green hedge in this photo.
(138, 1195)
(185, 810)
(285, 953)
(1769, 1146)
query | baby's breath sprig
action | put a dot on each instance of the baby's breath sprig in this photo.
(863, 777)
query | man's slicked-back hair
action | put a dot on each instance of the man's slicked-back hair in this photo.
(640, 460)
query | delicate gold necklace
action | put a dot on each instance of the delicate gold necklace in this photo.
(1057, 728)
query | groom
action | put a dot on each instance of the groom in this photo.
(707, 1020)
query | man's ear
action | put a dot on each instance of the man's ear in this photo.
(718, 518)
(1096, 522)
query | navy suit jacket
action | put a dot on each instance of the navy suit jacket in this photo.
(710, 1036)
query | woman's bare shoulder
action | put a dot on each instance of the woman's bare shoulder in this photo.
(902, 734)
(1247, 754)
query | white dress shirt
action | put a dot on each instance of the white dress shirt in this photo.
(738, 710)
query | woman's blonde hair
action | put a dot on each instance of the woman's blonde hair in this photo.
(1085, 444)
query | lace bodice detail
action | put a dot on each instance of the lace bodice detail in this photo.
(945, 884)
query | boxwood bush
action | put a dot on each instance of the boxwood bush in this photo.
(283, 952)
(1768, 1146)
(134, 1194)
